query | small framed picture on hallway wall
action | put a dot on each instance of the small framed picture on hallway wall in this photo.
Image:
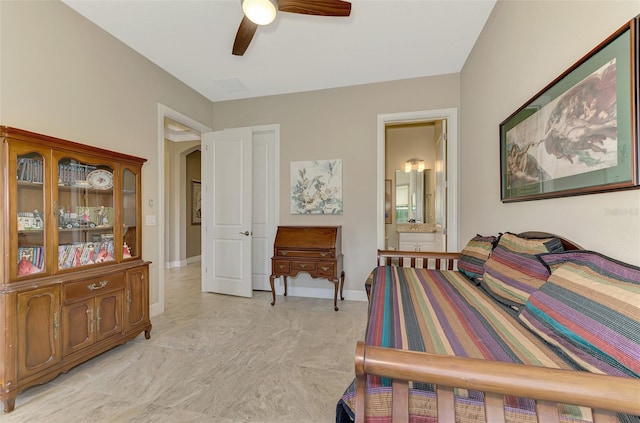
(196, 203)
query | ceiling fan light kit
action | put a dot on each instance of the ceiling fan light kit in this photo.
(260, 12)
(263, 12)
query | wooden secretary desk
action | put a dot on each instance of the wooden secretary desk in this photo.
(316, 250)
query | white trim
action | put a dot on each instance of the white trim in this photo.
(451, 115)
(173, 264)
(182, 263)
(182, 138)
(324, 293)
(164, 111)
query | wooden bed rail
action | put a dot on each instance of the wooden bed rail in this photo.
(429, 259)
(605, 395)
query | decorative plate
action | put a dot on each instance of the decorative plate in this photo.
(100, 179)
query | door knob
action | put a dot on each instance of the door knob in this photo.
(245, 233)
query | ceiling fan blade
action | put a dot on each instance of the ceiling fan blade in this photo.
(316, 7)
(246, 30)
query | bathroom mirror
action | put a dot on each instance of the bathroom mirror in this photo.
(412, 196)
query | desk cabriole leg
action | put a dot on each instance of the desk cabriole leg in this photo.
(335, 294)
(273, 290)
(341, 285)
(285, 285)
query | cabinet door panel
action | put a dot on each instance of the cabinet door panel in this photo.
(77, 326)
(38, 326)
(427, 246)
(109, 315)
(29, 210)
(131, 213)
(137, 292)
(84, 205)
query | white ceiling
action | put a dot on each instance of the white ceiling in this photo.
(382, 40)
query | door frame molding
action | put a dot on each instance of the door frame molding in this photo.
(165, 111)
(451, 116)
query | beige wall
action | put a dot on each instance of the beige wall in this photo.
(63, 76)
(339, 124)
(523, 47)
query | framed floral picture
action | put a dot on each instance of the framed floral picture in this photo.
(316, 187)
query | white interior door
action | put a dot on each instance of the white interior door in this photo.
(227, 159)
(441, 185)
(265, 202)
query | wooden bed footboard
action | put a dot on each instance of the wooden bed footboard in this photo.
(605, 395)
(419, 259)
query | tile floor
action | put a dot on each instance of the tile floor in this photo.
(212, 358)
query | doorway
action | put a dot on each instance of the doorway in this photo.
(444, 173)
(159, 207)
(266, 140)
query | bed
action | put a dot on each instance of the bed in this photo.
(438, 348)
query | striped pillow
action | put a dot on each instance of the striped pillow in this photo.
(590, 308)
(514, 271)
(474, 255)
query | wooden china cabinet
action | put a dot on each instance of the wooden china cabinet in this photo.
(73, 283)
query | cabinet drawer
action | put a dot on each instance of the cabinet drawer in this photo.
(326, 269)
(306, 253)
(280, 266)
(95, 286)
(408, 246)
(305, 266)
(427, 246)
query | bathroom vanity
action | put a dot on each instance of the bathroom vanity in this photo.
(416, 237)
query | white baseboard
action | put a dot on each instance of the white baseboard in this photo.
(155, 309)
(302, 291)
(292, 291)
(172, 264)
(182, 263)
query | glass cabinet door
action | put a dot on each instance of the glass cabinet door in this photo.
(84, 208)
(130, 213)
(28, 211)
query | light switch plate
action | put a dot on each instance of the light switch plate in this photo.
(151, 219)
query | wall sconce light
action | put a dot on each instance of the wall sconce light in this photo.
(417, 164)
(260, 12)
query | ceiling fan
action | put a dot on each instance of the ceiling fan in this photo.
(263, 12)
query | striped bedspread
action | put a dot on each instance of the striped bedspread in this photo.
(441, 312)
